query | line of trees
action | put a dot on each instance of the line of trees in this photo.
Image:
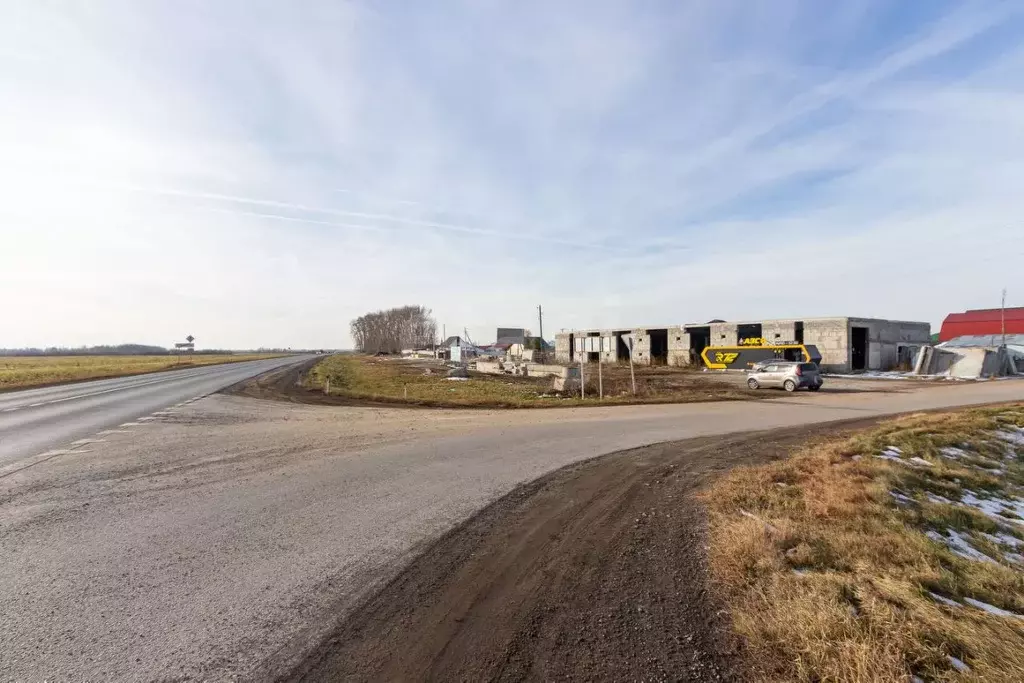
(390, 331)
(118, 350)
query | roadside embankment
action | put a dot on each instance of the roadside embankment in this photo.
(891, 555)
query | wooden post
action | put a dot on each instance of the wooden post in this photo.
(632, 376)
(405, 391)
(583, 389)
(327, 386)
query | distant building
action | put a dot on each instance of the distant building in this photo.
(846, 343)
(510, 335)
(986, 321)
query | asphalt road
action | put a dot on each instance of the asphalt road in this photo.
(225, 538)
(35, 422)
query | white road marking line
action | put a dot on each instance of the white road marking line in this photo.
(107, 391)
(8, 410)
(131, 424)
(105, 432)
(145, 419)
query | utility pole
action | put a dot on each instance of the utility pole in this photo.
(540, 325)
(1002, 316)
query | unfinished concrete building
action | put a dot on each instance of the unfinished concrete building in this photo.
(846, 344)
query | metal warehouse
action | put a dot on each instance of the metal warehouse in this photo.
(846, 344)
(989, 321)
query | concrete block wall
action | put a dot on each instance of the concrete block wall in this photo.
(678, 346)
(724, 334)
(779, 330)
(641, 347)
(886, 336)
(562, 348)
(832, 337)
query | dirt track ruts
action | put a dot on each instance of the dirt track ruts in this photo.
(594, 572)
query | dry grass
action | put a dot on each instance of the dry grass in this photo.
(19, 372)
(401, 381)
(829, 579)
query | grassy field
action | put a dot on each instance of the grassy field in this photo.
(400, 381)
(893, 555)
(19, 372)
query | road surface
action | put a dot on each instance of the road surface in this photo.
(34, 422)
(225, 538)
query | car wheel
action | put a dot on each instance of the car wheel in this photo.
(814, 387)
(753, 384)
(790, 385)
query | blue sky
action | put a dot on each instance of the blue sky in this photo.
(259, 173)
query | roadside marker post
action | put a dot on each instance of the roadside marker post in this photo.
(187, 345)
(628, 339)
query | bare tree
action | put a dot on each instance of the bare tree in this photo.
(395, 329)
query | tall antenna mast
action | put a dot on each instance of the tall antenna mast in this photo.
(1002, 315)
(540, 325)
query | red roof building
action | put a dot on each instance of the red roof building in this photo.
(987, 321)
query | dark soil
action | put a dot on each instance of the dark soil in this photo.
(596, 572)
(286, 384)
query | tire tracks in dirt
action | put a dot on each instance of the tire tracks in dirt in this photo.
(597, 571)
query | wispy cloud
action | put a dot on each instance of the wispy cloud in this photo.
(261, 174)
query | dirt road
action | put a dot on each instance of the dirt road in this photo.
(230, 537)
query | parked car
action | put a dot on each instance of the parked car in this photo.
(787, 375)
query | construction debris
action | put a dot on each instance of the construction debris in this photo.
(963, 358)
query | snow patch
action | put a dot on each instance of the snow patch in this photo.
(1014, 435)
(1002, 539)
(959, 664)
(933, 498)
(944, 600)
(901, 498)
(896, 455)
(958, 545)
(993, 505)
(992, 609)
(952, 452)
